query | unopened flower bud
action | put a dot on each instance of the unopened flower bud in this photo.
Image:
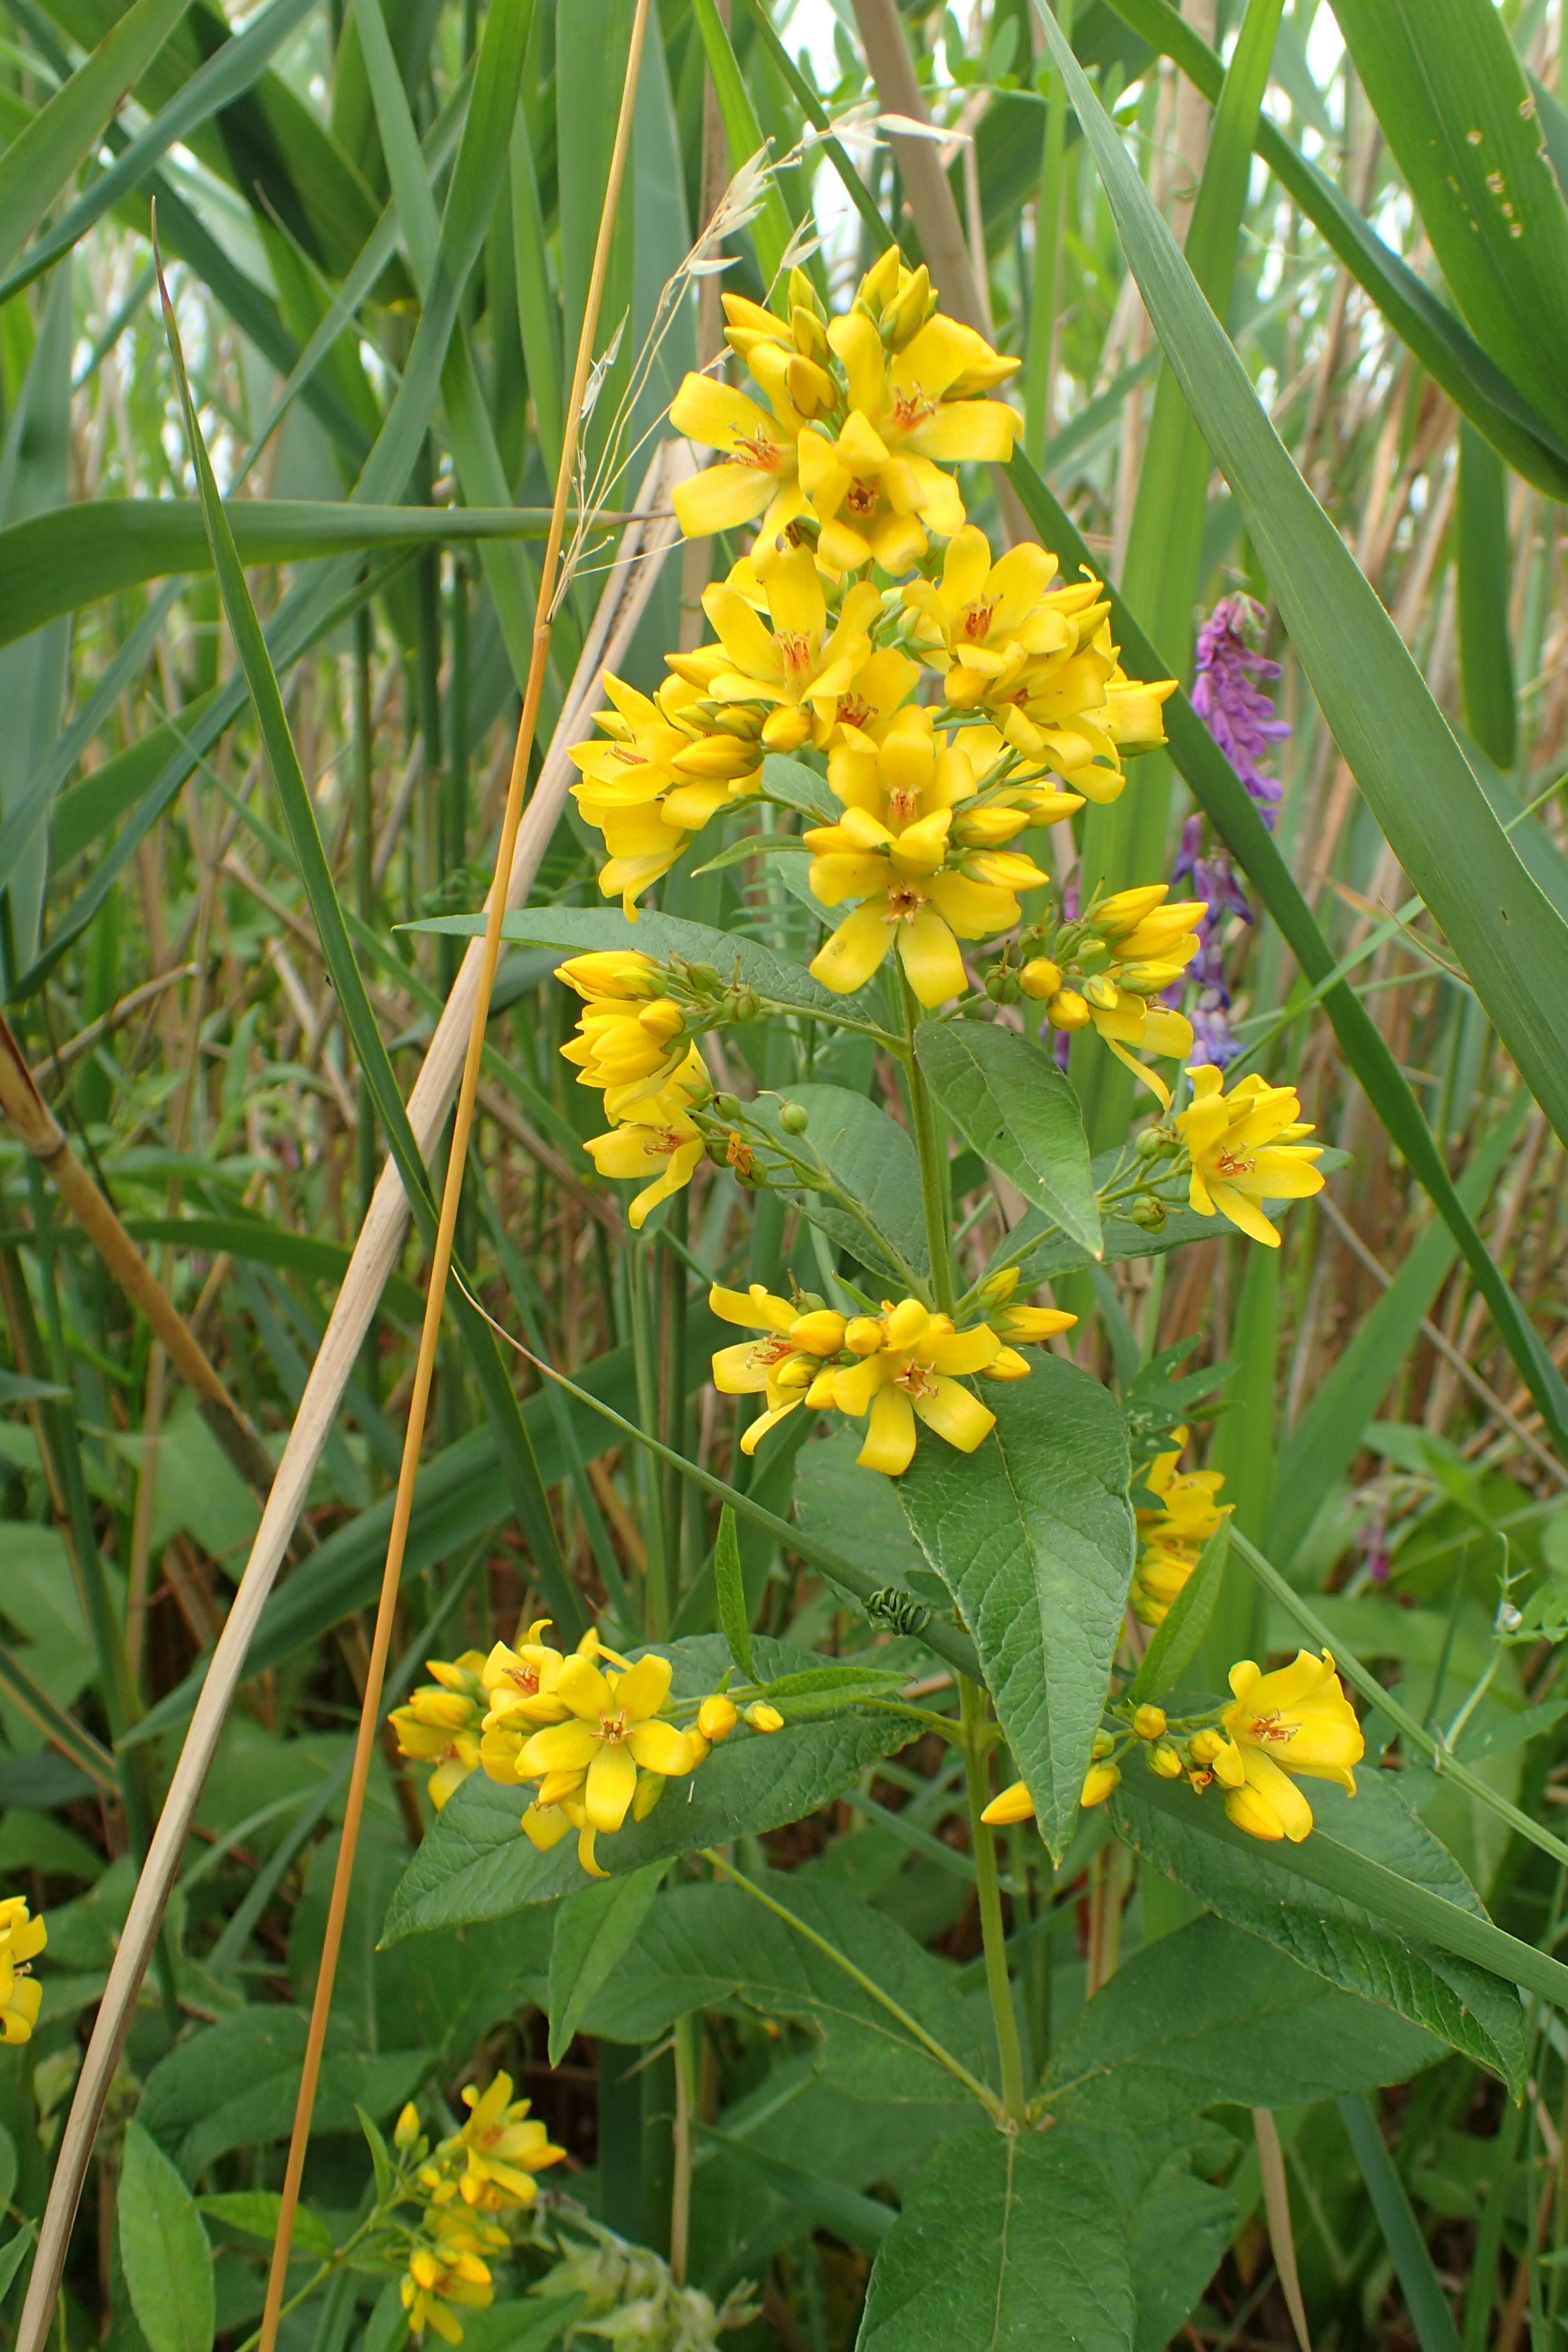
(764, 1717)
(1163, 1759)
(649, 1788)
(1066, 1009)
(1149, 1722)
(863, 1335)
(717, 1717)
(997, 1289)
(1205, 1745)
(1040, 979)
(1002, 985)
(1148, 1212)
(406, 2129)
(1098, 1783)
(795, 1119)
(741, 1004)
(1101, 994)
(726, 1106)
(1151, 1144)
(786, 729)
(1013, 1804)
(1104, 1743)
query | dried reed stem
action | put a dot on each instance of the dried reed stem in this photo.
(644, 550)
(456, 1160)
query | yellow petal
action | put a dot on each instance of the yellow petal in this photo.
(891, 1436)
(930, 955)
(857, 949)
(611, 1786)
(956, 1415)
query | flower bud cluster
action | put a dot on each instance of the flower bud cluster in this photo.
(633, 1041)
(464, 2187)
(1172, 1537)
(631, 2296)
(440, 1723)
(1111, 965)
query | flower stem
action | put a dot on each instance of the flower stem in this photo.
(932, 1159)
(1003, 2015)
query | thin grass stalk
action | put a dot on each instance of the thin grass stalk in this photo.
(451, 1194)
(645, 549)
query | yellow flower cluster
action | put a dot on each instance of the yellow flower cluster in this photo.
(1295, 1723)
(1172, 1536)
(22, 1938)
(1108, 965)
(484, 2171)
(632, 1044)
(440, 1724)
(842, 471)
(1246, 1148)
(899, 1367)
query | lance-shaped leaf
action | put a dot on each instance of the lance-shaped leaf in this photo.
(1007, 1098)
(1033, 1536)
(1510, 938)
(872, 1164)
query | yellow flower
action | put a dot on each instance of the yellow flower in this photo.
(910, 1374)
(1098, 1783)
(878, 484)
(630, 1038)
(1174, 1536)
(1295, 1720)
(785, 654)
(662, 1141)
(441, 1726)
(786, 1366)
(613, 1727)
(984, 623)
(452, 2273)
(22, 1938)
(1031, 1327)
(756, 478)
(895, 851)
(717, 1717)
(498, 2149)
(764, 1717)
(1245, 1148)
(1013, 1804)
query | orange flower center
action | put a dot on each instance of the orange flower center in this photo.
(977, 623)
(1235, 1163)
(761, 453)
(903, 804)
(904, 902)
(613, 1728)
(664, 1143)
(525, 1679)
(911, 408)
(916, 1380)
(861, 498)
(1272, 1731)
(794, 651)
(853, 711)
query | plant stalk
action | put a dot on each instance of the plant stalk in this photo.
(932, 1161)
(441, 1256)
(1009, 2049)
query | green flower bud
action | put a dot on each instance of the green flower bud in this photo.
(794, 1119)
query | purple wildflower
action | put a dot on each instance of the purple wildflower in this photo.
(1213, 880)
(1227, 699)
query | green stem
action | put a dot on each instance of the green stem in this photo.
(911, 2025)
(932, 1158)
(976, 1746)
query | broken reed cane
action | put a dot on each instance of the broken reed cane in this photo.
(457, 1160)
(632, 580)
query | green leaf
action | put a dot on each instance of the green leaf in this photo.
(772, 229)
(861, 2221)
(41, 158)
(1482, 580)
(1006, 2244)
(734, 1617)
(1416, 781)
(13, 2253)
(577, 931)
(872, 1161)
(1179, 1635)
(1220, 792)
(59, 562)
(708, 1945)
(855, 1510)
(168, 2262)
(1450, 356)
(1370, 1900)
(594, 1929)
(475, 1863)
(1325, 1439)
(235, 2084)
(794, 785)
(1033, 1536)
(1007, 1100)
(257, 2212)
(1424, 2297)
(1177, 2236)
(1451, 98)
(1211, 2016)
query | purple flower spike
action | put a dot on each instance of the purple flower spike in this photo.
(1229, 700)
